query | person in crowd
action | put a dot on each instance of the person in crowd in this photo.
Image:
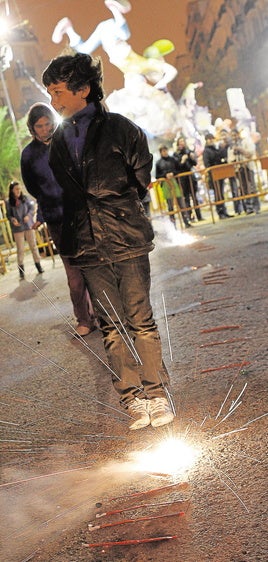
(167, 167)
(21, 215)
(186, 161)
(242, 149)
(223, 144)
(41, 183)
(212, 157)
(103, 164)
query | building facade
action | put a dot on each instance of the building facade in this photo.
(228, 48)
(22, 76)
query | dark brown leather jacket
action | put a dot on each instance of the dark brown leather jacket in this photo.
(104, 219)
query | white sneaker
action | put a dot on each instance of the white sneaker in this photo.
(61, 29)
(138, 410)
(160, 412)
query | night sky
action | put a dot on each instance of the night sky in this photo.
(148, 21)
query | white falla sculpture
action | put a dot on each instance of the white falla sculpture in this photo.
(144, 98)
(239, 110)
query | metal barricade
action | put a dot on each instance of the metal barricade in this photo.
(244, 182)
(166, 199)
(190, 191)
(161, 206)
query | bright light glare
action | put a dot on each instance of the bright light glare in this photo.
(170, 457)
(172, 236)
(179, 238)
(168, 235)
(3, 27)
(59, 119)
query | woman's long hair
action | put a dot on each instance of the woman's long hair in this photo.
(37, 111)
(11, 197)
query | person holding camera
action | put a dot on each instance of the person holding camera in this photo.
(186, 161)
(212, 156)
(241, 150)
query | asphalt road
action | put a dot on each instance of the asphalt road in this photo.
(65, 443)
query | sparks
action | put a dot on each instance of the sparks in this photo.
(181, 238)
(171, 457)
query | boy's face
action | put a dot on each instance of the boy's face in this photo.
(66, 102)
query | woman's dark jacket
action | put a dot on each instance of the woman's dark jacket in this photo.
(104, 219)
(39, 181)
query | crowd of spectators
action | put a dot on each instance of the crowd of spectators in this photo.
(188, 177)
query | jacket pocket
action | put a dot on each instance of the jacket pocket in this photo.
(129, 227)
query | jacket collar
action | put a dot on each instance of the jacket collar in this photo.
(87, 113)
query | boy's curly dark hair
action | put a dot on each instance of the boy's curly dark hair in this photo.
(77, 71)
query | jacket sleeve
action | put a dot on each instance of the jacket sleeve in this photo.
(249, 147)
(28, 177)
(159, 172)
(206, 159)
(140, 160)
(39, 215)
(30, 207)
(192, 160)
(30, 183)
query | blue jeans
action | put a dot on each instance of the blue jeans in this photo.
(121, 290)
(238, 207)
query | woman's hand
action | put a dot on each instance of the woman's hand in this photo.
(36, 225)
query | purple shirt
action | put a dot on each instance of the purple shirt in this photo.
(75, 130)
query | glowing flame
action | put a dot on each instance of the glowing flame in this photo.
(179, 238)
(170, 457)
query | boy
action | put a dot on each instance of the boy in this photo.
(103, 164)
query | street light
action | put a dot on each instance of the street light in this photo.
(6, 56)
